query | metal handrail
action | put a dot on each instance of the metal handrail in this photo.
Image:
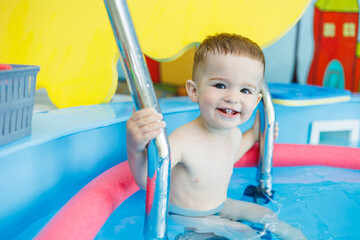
(266, 143)
(142, 90)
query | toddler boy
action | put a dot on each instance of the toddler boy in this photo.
(227, 78)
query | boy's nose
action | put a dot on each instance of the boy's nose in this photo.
(232, 97)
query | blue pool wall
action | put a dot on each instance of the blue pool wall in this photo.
(295, 122)
(66, 150)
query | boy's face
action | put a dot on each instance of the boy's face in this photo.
(228, 90)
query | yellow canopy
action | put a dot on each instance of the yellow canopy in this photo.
(73, 43)
(167, 28)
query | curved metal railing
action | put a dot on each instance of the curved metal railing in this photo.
(142, 90)
(266, 143)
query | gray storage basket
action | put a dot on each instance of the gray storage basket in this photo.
(17, 90)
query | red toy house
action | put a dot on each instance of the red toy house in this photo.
(335, 36)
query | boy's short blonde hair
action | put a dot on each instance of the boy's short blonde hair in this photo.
(226, 43)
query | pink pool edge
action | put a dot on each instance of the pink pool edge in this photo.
(83, 216)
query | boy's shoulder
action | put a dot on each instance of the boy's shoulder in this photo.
(180, 140)
(186, 135)
(236, 135)
(236, 132)
(183, 130)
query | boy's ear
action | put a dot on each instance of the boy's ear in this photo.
(192, 90)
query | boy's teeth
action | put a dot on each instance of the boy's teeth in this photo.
(228, 111)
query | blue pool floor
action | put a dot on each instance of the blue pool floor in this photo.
(323, 202)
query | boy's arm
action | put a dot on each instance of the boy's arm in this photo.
(143, 126)
(247, 142)
(250, 137)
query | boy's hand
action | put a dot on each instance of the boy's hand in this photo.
(276, 131)
(143, 126)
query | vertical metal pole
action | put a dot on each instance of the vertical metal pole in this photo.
(141, 88)
(266, 143)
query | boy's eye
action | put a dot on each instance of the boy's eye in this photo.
(246, 91)
(220, 86)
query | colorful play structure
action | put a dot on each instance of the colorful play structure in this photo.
(70, 179)
(335, 35)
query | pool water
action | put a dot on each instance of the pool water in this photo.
(323, 202)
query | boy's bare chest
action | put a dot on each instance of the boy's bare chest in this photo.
(209, 160)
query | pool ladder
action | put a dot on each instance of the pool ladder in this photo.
(262, 193)
(141, 88)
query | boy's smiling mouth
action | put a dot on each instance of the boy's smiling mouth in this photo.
(228, 112)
